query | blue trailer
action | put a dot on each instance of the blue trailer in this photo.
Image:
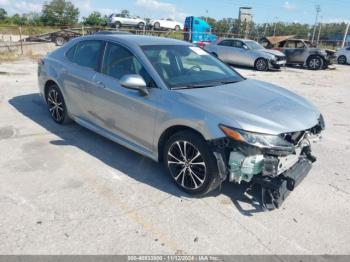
(198, 31)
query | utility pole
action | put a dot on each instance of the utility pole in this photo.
(318, 10)
(319, 31)
(345, 35)
(274, 29)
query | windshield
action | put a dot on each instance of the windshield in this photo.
(253, 45)
(188, 66)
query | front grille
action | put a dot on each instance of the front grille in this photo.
(281, 58)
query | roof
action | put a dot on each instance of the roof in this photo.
(139, 40)
(277, 39)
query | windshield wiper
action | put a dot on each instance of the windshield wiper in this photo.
(229, 82)
(200, 85)
(194, 86)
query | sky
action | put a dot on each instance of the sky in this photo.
(264, 11)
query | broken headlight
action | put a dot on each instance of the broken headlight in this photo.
(256, 139)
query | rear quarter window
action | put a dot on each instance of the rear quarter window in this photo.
(70, 53)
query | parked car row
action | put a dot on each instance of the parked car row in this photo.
(287, 52)
(124, 20)
(246, 53)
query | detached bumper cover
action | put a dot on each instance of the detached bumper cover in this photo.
(276, 190)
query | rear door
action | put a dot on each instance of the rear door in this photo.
(225, 51)
(288, 50)
(241, 55)
(83, 63)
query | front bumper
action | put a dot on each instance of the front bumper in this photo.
(275, 171)
(275, 190)
(279, 62)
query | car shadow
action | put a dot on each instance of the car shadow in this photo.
(118, 157)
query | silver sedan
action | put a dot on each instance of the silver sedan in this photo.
(247, 53)
(175, 103)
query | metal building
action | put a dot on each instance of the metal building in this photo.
(245, 14)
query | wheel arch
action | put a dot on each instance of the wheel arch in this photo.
(315, 55)
(167, 133)
(49, 83)
(264, 58)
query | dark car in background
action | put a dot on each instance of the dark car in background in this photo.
(301, 52)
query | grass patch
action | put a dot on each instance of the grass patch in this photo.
(26, 30)
(8, 57)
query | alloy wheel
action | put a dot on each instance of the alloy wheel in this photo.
(342, 60)
(261, 65)
(315, 63)
(55, 104)
(186, 165)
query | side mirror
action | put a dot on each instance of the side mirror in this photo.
(135, 82)
(245, 47)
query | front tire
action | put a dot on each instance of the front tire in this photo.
(315, 63)
(141, 26)
(342, 60)
(56, 105)
(191, 163)
(261, 64)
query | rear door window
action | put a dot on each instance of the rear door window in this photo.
(225, 43)
(237, 44)
(70, 53)
(290, 44)
(88, 54)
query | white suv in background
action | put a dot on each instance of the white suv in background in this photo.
(167, 23)
(343, 55)
(119, 20)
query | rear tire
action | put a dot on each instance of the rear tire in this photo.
(261, 64)
(117, 25)
(191, 163)
(342, 60)
(177, 28)
(315, 63)
(60, 41)
(156, 26)
(56, 105)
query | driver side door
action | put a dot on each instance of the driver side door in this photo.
(121, 111)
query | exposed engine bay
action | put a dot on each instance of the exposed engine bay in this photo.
(276, 169)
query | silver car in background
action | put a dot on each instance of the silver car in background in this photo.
(343, 55)
(175, 103)
(245, 52)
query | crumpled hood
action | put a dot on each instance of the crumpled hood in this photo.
(255, 106)
(272, 52)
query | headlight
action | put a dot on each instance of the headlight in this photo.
(256, 139)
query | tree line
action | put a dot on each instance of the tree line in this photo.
(64, 13)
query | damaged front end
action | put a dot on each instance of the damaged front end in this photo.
(277, 164)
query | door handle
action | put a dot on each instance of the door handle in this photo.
(100, 84)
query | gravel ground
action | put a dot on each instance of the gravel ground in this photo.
(66, 190)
